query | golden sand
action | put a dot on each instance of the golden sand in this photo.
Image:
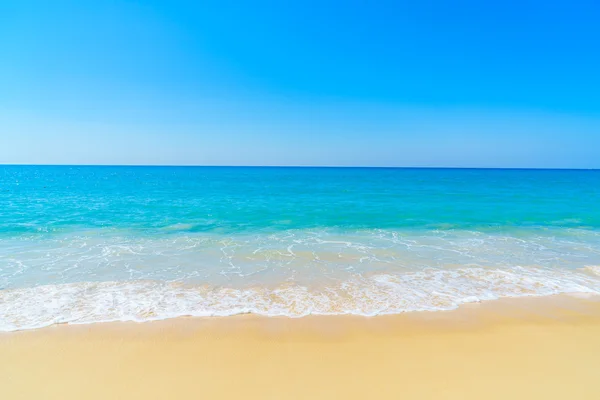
(518, 349)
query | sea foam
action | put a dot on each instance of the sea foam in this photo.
(376, 294)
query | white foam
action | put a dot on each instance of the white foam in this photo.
(384, 293)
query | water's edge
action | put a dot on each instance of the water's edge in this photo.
(378, 294)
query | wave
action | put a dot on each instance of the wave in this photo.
(431, 289)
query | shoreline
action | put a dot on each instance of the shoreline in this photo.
(370, 295)
(536, 347)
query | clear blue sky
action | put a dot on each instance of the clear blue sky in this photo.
(386, 83)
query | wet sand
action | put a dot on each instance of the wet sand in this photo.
(509, 349)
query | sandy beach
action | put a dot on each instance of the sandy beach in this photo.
(207, 200)
(520, 348)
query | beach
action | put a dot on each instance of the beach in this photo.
(339, 200)
(528, 347)
(298, 283)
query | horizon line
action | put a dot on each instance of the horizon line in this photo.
(292, 166)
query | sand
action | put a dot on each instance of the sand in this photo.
(515, 349)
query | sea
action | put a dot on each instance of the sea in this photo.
(87, 244)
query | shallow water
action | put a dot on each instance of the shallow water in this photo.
(88, 244)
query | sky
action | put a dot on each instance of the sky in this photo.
(329, 83)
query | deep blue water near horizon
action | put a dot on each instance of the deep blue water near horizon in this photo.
(84, 244)
(283, 197)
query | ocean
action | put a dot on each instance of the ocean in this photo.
(86, 244)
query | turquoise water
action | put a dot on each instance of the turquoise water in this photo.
(90, 244)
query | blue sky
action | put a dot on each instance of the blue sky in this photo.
(428, 83)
